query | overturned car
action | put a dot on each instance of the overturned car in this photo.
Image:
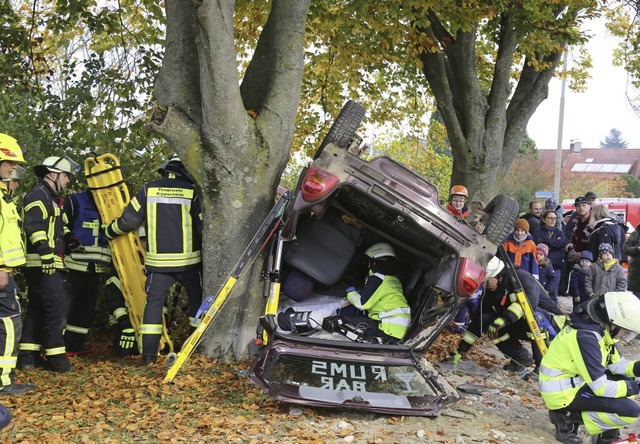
(341, 206)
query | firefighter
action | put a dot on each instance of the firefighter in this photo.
(11, 257)
(583, 379)
(13, 182)
(86, 268)
(502, 317)
(170, 209)
(46, 236)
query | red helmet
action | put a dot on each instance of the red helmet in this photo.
(460, 190)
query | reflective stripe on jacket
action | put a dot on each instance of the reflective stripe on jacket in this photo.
(582, 356)
(44, 225)
(386, 304)
(171, 208)
(11, 244)
(84, 218)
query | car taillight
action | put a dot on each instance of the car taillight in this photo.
(470, 276)
(317, 184)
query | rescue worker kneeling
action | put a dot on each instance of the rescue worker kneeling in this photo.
(583, 378)
(379, 312)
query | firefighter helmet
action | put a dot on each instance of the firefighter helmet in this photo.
(459, 190)
(174, 165)
(380, 250)
(494, 268)
(56, 164)
(10, 149)
(623, 309)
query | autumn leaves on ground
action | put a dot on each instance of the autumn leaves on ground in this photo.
(107, 399)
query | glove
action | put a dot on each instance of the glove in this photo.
(453, 357)
(127, 339)
(72, 243)
(48, 264)
(495, 327)
(352, 295)
(109, 231)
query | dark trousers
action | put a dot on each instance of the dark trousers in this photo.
(157, 286)
(84, 288)
(594, 409)
(10, 332)
(511, 347)
(46, 313)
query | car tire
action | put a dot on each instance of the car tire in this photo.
(344, 127)
(501, 214)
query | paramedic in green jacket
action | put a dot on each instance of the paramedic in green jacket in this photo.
(583, 378)
(381, 297)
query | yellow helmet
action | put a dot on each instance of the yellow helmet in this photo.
(10, 149)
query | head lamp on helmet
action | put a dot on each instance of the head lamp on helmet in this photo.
(380, 250)
(10, 149)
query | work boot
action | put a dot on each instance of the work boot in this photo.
(148, 360)
(519, 364)
(26, 360)
(608, 437)
(59, 364)
(566, 429)
(15, 388)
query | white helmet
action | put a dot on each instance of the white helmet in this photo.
(623, 309)
(381, 249)
(494, 267)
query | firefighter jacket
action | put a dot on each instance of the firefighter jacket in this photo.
(84, 222)
(171, 208)
(584, 353)
(384, 301)
(44, 225)
(11, 243)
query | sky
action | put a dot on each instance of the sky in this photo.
(589, 116)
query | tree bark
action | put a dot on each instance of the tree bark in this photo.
(236, 156)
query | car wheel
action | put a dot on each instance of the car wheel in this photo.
(344, 128)
(501, 214)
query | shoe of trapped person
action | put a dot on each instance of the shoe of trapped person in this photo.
(5, 416)
(59, 364)
(15, 388)
(148, 360)
(608, 437)
(566, 428)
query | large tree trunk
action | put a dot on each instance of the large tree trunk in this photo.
(485, 127)
(236, 156)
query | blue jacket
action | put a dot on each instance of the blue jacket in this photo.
(555, 239)
(549, 279)
(576, 283)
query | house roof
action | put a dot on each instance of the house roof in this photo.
(594, 160)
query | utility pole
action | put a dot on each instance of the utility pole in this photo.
(556, 181)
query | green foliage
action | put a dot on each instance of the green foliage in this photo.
(614, 140)
(82, 81)
(633, 185)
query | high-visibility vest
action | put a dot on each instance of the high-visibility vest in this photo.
(11, 244)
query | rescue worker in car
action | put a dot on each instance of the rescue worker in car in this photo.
(583, 379)
(11, 257)
(388, 312)
(502, 317)
(46, 238)
(86, 268)
(170, 209)
(457, 204)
